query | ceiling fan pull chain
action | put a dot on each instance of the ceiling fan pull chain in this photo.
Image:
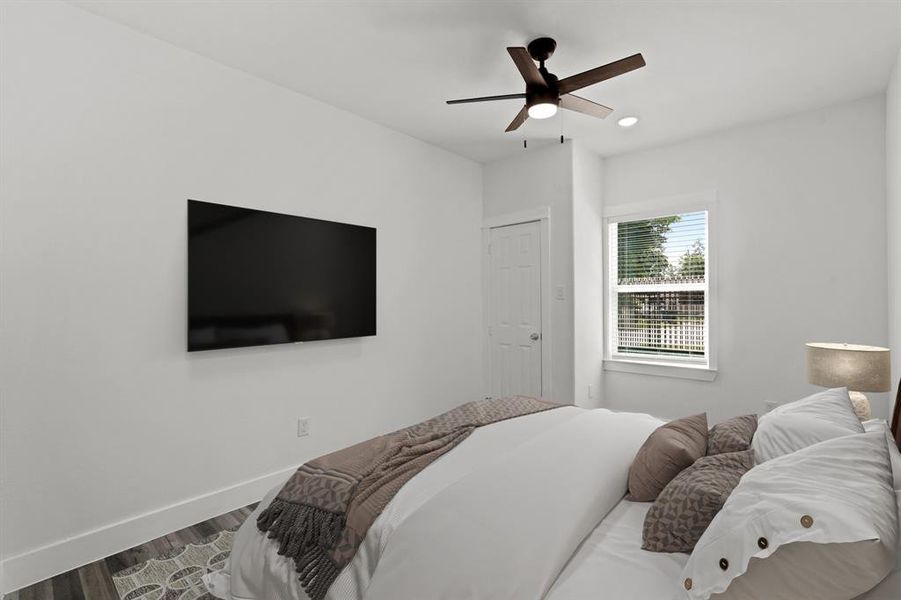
(561, 126)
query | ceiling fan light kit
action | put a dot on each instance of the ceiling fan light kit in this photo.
(542, 103)
(543, 110)
(545, 92)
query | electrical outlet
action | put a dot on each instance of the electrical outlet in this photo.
(560, 293)
(303, 426)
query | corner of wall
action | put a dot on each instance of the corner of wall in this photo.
(588, 271)
(893, 219)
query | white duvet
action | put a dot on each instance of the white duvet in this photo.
(499, 517)
(455, 531)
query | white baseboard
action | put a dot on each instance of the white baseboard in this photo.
(47, 561)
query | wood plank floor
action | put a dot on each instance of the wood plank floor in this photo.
(94, 581)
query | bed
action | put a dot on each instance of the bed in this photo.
(498, 518)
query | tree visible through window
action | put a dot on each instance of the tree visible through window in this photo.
(660, 287)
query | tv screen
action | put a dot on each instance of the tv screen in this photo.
(258, 278)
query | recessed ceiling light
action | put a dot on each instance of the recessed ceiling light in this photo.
(627, 121)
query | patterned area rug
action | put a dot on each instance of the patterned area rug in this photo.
(176, 575)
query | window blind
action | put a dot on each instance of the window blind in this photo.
(659, 283)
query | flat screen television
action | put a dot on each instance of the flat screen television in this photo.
(257, 278)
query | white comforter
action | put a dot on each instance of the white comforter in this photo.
(499, 517)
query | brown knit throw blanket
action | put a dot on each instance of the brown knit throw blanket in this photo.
(323, 512)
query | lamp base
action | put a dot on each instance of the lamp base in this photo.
(861, 405)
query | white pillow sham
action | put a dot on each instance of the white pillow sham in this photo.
(817, 524)
(816, 418)
(893, 452)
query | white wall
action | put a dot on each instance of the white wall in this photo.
(588, 276)
(801, 251)
(893, 196)
(108, 424)
(542, 177)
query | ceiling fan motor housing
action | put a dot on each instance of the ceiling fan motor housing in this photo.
(542, 95)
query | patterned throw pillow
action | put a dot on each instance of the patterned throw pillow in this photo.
(732, 435)
(684, 509)
(669, 449)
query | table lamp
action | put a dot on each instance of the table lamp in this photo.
(858, 368)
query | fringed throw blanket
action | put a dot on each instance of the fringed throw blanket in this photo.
(323, 512)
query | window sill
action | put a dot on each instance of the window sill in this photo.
(698, 373)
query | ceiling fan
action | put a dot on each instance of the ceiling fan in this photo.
(544, 92)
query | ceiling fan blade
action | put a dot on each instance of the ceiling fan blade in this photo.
(487, 98)
(526, 66)
(598, 74)
(584, 105)
(518, 120)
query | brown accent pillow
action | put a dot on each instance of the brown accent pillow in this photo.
(668, 450)
(684, 509)
(732, 435)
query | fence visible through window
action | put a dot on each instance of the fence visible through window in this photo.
(664, 323)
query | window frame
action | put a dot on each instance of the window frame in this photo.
(680, 367)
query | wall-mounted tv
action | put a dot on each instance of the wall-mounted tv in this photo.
(258, 278)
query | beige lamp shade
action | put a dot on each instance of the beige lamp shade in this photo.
(858, 368)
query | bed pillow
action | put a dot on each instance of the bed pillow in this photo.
(817, 524)
(732, 435)
(687, 505)
(669, 449)
(790, 427)
(893, 452)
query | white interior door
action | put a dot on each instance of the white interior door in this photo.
(515, 310)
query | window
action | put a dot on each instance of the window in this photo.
(659, 289)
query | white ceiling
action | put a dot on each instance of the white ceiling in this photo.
(711, 65)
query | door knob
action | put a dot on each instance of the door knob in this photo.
(535, 337)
